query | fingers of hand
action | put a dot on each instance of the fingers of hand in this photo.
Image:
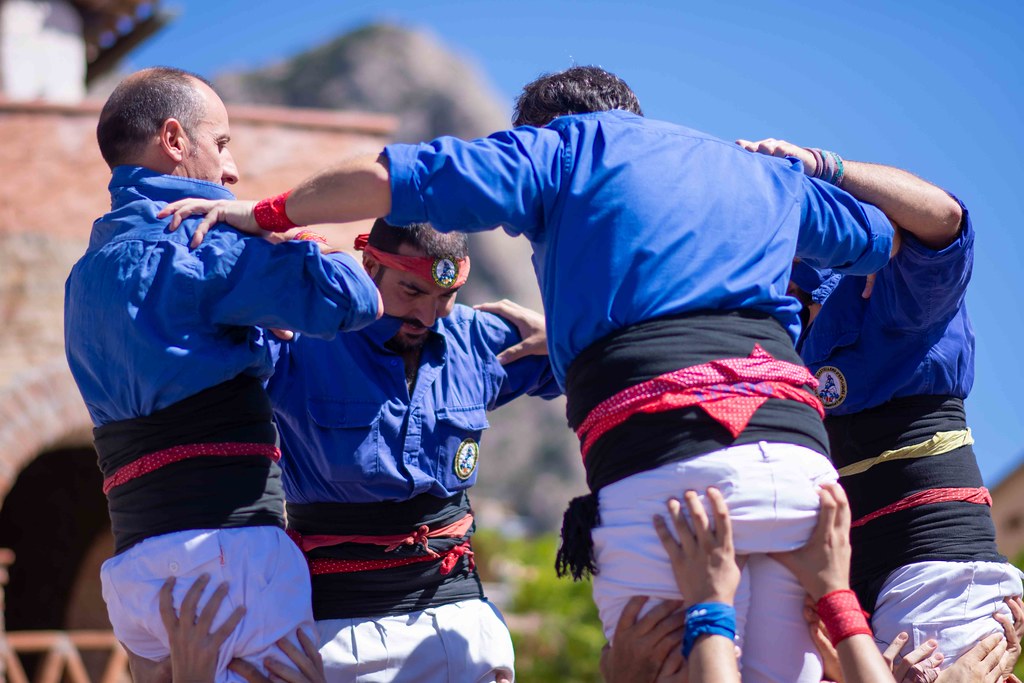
(209, 611)
(1007, 623)
(512, 353)
(920, 653)
(828, 512)
(894, 648)
(298, 657)
(282, 672)
(225, 630)
(687, 541)
(204, 227)
(283, 335)
(723, 525)
(869, 286)
(167, 614)
(191, 600)
(699, 518)
(630, 612)
(308, 645)
(247, 671)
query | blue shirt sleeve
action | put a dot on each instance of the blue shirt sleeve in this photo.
(249, 281)
(924, 287)
(509, 179)
(531, 375)
(837, 231)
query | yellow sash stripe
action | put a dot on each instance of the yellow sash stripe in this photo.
(942, 442)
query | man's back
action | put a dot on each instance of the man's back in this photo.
(633, 219)
(149, 322)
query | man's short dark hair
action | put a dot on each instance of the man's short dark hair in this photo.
(422, 236)
(140, 104)
(579, 90)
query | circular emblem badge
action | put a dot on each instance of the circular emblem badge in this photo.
(445, 271)
(465, 459)
(831, 386)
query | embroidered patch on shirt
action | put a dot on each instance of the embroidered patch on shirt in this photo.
(831, 386)
(466, 458)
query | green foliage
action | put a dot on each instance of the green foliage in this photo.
(554, 623)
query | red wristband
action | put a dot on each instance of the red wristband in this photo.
(842, 616)
(310, 236)
(270, 215)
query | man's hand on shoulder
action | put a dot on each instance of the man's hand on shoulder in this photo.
(238, 214)
(534, 339)
(780, 148)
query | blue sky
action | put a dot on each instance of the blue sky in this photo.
(933, 87)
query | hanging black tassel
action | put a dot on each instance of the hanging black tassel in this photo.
(576, 554)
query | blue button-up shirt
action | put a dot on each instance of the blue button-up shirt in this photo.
(632, 219)
(350, 431)
(148, 322)
(911, 338)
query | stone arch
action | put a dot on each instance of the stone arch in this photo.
(40, 410)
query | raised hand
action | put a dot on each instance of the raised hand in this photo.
(195, 646)
(704, 559)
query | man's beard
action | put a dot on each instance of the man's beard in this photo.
(401, 343)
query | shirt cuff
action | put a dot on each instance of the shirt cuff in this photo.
(407, 205)
(879, 247)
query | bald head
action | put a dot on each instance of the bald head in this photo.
(137, 109)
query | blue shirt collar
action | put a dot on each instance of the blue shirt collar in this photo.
(161, 188)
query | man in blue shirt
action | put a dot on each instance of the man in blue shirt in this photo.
(166, 346)
(893, 371)
(380, 431)
(663, 256)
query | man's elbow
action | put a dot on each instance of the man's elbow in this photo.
(952, 215)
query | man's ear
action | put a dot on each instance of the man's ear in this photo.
(371, 265)
(174, 143)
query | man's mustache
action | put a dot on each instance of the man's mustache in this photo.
(413, 322)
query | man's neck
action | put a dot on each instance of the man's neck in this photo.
(411, 360)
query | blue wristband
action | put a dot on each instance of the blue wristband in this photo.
(708, 618)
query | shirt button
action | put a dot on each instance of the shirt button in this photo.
(173, 567)
(394, 363)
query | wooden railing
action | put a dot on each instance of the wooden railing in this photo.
(61, 653)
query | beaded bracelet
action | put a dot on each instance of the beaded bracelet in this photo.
(830, 167)
(842, 616)
(708, 618)
(270, 214)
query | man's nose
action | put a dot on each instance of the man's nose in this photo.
(229, 172)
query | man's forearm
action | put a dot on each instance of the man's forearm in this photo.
(355, 189)
(914, 205)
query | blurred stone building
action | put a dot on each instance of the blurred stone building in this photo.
(54, 183)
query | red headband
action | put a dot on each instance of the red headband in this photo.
(444, 271)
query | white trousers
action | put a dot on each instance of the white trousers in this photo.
(265, 571)
(771, 490)
(463, 642)
(951, 602)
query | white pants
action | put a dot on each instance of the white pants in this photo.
(264, 569)
(464, 642)
(771, 490)
(951, 602)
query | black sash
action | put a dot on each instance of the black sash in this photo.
(199, 493)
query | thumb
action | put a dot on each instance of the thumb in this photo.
(512, 353)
